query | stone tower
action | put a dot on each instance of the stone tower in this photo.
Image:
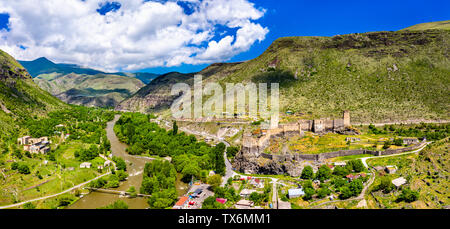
(346, 118)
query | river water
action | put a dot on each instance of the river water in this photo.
(135, 168)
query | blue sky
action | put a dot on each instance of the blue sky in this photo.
(315, 18)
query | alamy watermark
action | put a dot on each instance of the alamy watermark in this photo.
(235, 100)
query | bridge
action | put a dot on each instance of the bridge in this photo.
(115, 192)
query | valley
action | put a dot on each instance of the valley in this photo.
(364, 123)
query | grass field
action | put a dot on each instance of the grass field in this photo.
(55, 177)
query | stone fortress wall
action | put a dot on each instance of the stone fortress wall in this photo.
(254, 144)
(340, 153)
(254, 147)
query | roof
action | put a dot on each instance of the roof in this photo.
(181, 201)
(198, 191)
(399, 181)
(340, 163)
(245, 202)
(247, 191)
(221, 200)
(296, 192)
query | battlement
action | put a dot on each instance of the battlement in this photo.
(293, 129)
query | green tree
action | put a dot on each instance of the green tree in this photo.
(309, 192)
(23, 169)
(324, 173)
(385, 185)
(29, 205)
(215, 181)
(340, 171)
(408, 195)
(307, 173)
(175, 128)
(132, 192)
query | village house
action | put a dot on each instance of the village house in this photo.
(244, 204)
(410, 141)
(181, 203)
(399, 182)
(391, 169)
(296, 192)
(341, 163)
(35, 145)
(86, 165)
(245, 193)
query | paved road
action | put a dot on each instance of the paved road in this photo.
(54, 195)
(392, 155)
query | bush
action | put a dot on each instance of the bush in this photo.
(307, 173)
(23, 169)
(408, 195)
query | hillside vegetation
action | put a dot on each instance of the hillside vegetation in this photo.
(431, 25)
(20, 97)
(378, 76)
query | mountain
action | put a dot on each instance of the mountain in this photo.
(430, 25)
(45, 66)
(378, 76)
(100, 90)
(84, 86)
(20, 97)
(156, 96)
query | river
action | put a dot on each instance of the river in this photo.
(135, 168)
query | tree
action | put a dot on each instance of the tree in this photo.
(121, 175)
(215, 181)
(408, 195)
(387, 144)
(324, 173)
(120, 163)
(232, 151)
(23, 169)
(189, 171)
(132, 192)
(398, 142)
(219, 150)
(29, 205)
(345, 192)
(356, 187)
(175, 128)
(307, 173)
(385, 185)
(211, 203)
(340, 171)
(256, 197)
(323, 192)
(309, 192)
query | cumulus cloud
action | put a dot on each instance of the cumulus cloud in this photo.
(130, 34)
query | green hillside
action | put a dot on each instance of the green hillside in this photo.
(99, 90)
(378, 76)
(20, 97)
(430, 25)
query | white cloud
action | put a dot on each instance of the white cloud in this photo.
(136, 36)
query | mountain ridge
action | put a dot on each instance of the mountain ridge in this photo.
(404, 73)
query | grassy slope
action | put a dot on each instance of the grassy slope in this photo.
(21, 96)
(431, 25)
(354, 72)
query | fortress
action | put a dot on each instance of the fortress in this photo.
(256, 144)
